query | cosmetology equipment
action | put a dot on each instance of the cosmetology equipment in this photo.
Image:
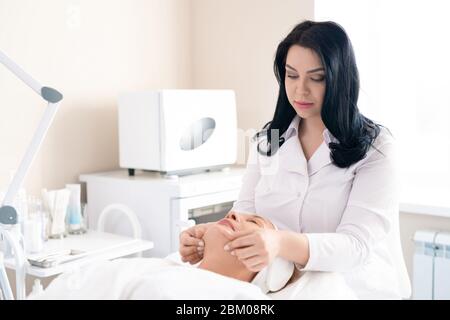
(177, 131)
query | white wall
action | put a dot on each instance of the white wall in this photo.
(91, 51)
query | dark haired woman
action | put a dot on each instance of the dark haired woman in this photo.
(322, 172)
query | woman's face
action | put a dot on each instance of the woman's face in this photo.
(305, 81)
(216, 234)
(215, 258)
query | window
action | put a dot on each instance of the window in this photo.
(402, 50)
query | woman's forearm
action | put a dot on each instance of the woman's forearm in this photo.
(293, 247)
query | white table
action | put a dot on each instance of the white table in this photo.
(96, 246)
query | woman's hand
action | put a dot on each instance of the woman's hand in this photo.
(254, 248)
(191, 243)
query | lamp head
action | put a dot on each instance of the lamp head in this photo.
(8, 215)
(51, 95)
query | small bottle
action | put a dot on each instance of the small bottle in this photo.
(74, 217)
(33, 234)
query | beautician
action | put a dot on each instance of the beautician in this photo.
(322, 172)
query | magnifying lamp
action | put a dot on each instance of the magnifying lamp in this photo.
(8, 214)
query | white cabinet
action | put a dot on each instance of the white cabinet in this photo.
(163, 205)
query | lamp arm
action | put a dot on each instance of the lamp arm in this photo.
(20, 73)
(30, 154)
(49, 94)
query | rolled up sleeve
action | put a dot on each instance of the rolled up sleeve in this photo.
(367, 219)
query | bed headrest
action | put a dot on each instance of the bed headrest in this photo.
(275, 276)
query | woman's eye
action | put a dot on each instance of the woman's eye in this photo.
(318, 79)
(253, 221)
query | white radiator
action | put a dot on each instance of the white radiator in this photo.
(431, 265)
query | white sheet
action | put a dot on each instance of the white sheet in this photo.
(148, 278)
(310, 285)
(154, 278)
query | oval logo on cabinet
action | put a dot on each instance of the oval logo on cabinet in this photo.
(197, 133)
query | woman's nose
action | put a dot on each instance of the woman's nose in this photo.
(302, 89)
(234, 216)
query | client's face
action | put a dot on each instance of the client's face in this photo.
(218, 234)
(234, 221)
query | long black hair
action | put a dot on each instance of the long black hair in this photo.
(340, 114)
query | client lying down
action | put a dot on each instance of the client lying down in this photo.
(218, 276)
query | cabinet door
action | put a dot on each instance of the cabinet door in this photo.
(183, 211)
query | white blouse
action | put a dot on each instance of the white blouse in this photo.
(349, 215)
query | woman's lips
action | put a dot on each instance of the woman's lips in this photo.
(227, 223)
(303, 104)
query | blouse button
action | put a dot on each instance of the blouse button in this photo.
(299, 194)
